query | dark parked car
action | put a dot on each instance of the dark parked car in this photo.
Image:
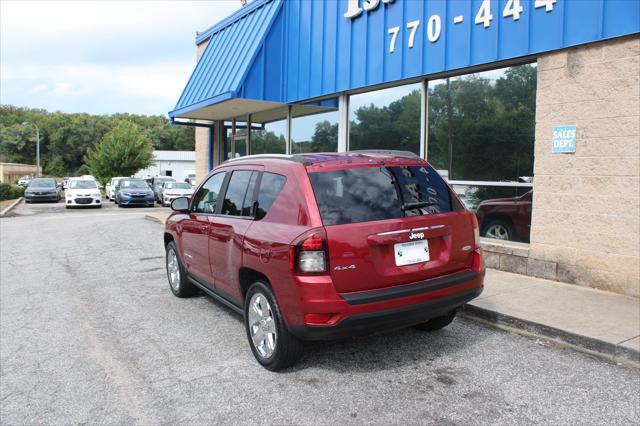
(42, 189)
(156, 185)
(506, 218)
(134, 192)
(325, 246)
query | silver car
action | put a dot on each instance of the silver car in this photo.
(170, 190)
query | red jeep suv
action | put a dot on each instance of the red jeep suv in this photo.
(325, 246)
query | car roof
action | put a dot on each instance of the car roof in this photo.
(310, 159)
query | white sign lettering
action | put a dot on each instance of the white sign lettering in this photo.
(354, 10)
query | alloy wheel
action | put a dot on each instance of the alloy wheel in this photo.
(498, 231)
(173, 269)
(262, 326)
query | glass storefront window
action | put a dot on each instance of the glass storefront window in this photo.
(386, 119)
(481, 138)
(269, 131)
(314, 127)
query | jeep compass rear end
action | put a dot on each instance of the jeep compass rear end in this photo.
(325, 246)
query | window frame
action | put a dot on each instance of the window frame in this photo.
(257, 193)
(223, 191)
(195, 199)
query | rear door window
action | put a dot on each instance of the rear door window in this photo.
(378, 193)
(270, 186)
(236, 192)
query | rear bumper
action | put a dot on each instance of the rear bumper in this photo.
(381, 321)
(378, 311)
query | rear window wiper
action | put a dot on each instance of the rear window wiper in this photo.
(419, 205)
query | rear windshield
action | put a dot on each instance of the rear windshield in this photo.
(379, 193)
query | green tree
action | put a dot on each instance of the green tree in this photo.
(66, 139)
(121, 152)
(394, 126)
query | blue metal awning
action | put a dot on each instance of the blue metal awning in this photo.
(220, 76)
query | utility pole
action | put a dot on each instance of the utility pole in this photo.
(37, 145)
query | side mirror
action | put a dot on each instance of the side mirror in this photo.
(180, 204)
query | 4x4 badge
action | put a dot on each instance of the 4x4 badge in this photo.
(344, 268)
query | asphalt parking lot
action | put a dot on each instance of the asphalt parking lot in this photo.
(90, 333)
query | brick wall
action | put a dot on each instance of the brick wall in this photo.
(586, 214)
(202, 136)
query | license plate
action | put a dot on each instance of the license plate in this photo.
(411, 252)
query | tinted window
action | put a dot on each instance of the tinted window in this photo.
(270, 187)
(236, 192)
(248, 198)
(378, 193)
(207, 196)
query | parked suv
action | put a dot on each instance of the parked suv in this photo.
(325, 246)
(506, 218)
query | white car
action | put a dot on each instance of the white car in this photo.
(110, 189)
(24, 181)
(171, 190)
(82, 193)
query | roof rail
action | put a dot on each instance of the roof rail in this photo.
(290, 157)
(388, 152)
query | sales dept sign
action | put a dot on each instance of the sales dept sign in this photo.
(564, 139)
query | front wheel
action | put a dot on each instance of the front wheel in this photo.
(437, 323)
(178, 281)
(499, 230)
(271, 343)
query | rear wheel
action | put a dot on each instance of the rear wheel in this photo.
(271, 343)
(178, 281)
(436, 323)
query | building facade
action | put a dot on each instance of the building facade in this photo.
(531, 109)
(180, 165)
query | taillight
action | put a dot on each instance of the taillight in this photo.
(476, 230)
(310, 254)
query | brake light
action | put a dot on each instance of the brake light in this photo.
(314, 242)
(310, 255)
(476, 230)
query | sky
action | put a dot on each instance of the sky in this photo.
(101, 57)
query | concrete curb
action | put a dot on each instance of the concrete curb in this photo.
(154, 219)
(601, 349)
(11, 207)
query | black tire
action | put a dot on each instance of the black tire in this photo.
(183, 287)
(436, 323)
(288, 349)
(498, 229)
